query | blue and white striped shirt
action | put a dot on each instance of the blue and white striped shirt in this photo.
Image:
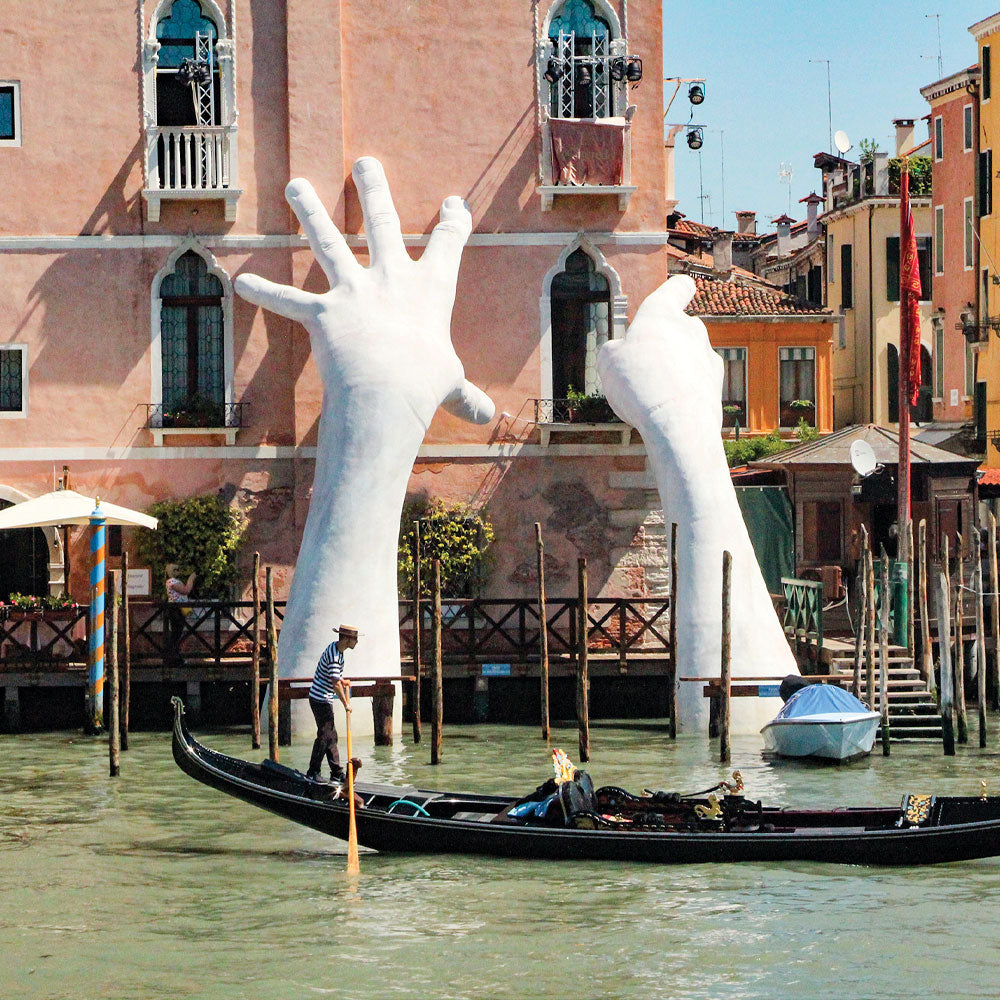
(329, 670)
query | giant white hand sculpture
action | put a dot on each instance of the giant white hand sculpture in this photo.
(665, 380)
(381, 340)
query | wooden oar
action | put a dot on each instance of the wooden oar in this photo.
(353, 861)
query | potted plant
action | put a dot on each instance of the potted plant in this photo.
(588, 408)
(734, 411)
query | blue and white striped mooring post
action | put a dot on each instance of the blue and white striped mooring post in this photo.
(95, 659)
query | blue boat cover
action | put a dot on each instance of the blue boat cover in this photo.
(820, 699)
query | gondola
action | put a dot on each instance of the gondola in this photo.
(572, 821)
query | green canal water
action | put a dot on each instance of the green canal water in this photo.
(154, 886)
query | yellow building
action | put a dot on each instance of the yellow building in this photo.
(861, 219)
(987, 35)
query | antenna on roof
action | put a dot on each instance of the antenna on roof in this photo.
(841, 141)
(785, 175)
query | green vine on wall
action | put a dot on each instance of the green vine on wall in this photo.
(456, 534)
(920, 175)
(202, 535)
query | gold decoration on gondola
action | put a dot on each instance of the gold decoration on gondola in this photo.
(712, 811)
(734, 787)
(917, 809)
(982, 789)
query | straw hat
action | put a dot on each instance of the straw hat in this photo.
(347, 631)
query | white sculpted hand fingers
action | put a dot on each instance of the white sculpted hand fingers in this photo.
(470, 403)
(328, 245)
(444, 249)
(666, 303)
(385, 237)
(281, 299)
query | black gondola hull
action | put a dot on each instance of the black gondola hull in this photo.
(855, 837)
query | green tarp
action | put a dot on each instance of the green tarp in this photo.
(768, 515)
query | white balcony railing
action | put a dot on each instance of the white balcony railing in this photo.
(191, 162)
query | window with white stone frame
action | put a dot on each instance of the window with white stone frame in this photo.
(189, 102)
(13, 380)
(10, 113)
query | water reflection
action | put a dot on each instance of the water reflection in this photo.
(171, 890)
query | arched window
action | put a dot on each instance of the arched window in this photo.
(924, 410)
(188, 86)
(581, 45)
(581, 303)
(192, 345)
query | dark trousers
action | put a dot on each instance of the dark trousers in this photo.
(326, 737)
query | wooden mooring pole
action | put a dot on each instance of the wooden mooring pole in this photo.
(543, 632)
(126, 656)
(960, 713)
(883, 655)
(672, 637)
(582, 665)
(860, 627)
(437, 688)
(910, 609)
(272, 669)
(946, 689)
(727, 574)
(977, 578)
(994, 611)
(255, 657)
(114, 732)
(926, 652)
(417, 627)
(869, 624)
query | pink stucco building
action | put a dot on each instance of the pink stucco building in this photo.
(137, 187)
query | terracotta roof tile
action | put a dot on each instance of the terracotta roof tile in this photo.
(734, 297)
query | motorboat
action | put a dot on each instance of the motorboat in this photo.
(822, 720)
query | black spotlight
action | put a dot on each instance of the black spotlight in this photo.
(633, 70)
(695, 139)
(583, 76)
(696, 93)
(553, 71)
(617, 69)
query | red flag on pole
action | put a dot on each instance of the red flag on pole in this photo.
(909, 292)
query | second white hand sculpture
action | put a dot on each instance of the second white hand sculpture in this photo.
(381, 340)
(665, 380)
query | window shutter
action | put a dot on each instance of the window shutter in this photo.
(892, 268)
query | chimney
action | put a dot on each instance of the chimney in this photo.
(904, 135)
(784, 224)
(812, 201)
(722, 253)
(746, 223)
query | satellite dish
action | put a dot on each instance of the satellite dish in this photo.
(863, 458)
(841, 141)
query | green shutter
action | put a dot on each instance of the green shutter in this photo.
(892, 268)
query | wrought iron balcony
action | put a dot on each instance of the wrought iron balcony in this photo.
(210, 418)
(587, 413)
(979, 333)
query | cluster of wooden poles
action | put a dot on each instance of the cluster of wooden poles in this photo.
(582, 666)
(875, 620)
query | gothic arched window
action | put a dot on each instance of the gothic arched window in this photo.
(581, 301)
(187, 71)
(192, 347)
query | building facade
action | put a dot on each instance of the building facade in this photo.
(861, 221)
(126, 357)
(956, 333)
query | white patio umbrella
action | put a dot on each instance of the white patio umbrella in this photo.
(70, 507)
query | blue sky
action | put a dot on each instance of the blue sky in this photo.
(770, 101)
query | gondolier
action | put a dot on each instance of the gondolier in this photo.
(328, 685)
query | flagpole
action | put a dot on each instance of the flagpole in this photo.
(903, 379)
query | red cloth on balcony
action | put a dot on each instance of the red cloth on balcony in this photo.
(588, 150)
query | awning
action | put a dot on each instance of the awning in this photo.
(69, 507)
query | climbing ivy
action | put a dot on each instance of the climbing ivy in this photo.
(919, 171)
(202, 535)
(456, 534)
